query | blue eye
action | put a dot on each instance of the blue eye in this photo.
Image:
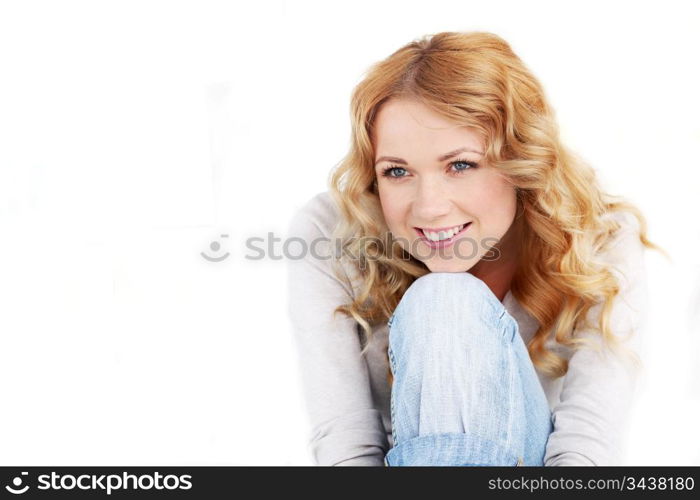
(389, 171)
(470, 164)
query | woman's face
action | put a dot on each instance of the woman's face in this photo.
(423, 191)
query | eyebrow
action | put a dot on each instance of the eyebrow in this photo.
(444, 157)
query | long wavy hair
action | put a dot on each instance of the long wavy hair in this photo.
(475, 79)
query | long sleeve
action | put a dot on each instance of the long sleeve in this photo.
(591, 418)
(345, 427)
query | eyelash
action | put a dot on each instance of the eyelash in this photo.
(385, 172)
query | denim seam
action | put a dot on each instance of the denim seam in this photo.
(392, 363)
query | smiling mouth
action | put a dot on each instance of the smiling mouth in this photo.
(442, 236)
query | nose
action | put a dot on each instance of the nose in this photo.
(431, 202)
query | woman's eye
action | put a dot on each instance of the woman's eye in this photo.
(468, 164)
(387, 172)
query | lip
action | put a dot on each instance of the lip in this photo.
(437, 229)
(442, 243)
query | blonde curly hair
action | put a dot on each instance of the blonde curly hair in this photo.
(476, 79)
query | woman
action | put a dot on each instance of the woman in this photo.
(470, 295)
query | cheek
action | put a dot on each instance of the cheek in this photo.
(493, 202)
(393, 208)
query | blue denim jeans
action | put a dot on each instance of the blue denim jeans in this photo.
(465, 392)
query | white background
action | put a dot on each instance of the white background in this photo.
(135, 133)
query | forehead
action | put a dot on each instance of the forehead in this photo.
(402, 122)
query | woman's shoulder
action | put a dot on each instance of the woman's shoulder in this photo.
(625, 258)
(317, 216)
(629, 223)
(624, 246)
(314, 222)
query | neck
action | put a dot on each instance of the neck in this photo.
(498, 274)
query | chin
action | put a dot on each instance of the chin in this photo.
(448, 267)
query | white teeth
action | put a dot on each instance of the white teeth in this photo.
(443, 235)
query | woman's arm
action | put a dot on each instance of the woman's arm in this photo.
(345, 427)
(592, 418)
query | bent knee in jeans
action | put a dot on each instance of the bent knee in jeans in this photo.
(444, 309)
(458, 379)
